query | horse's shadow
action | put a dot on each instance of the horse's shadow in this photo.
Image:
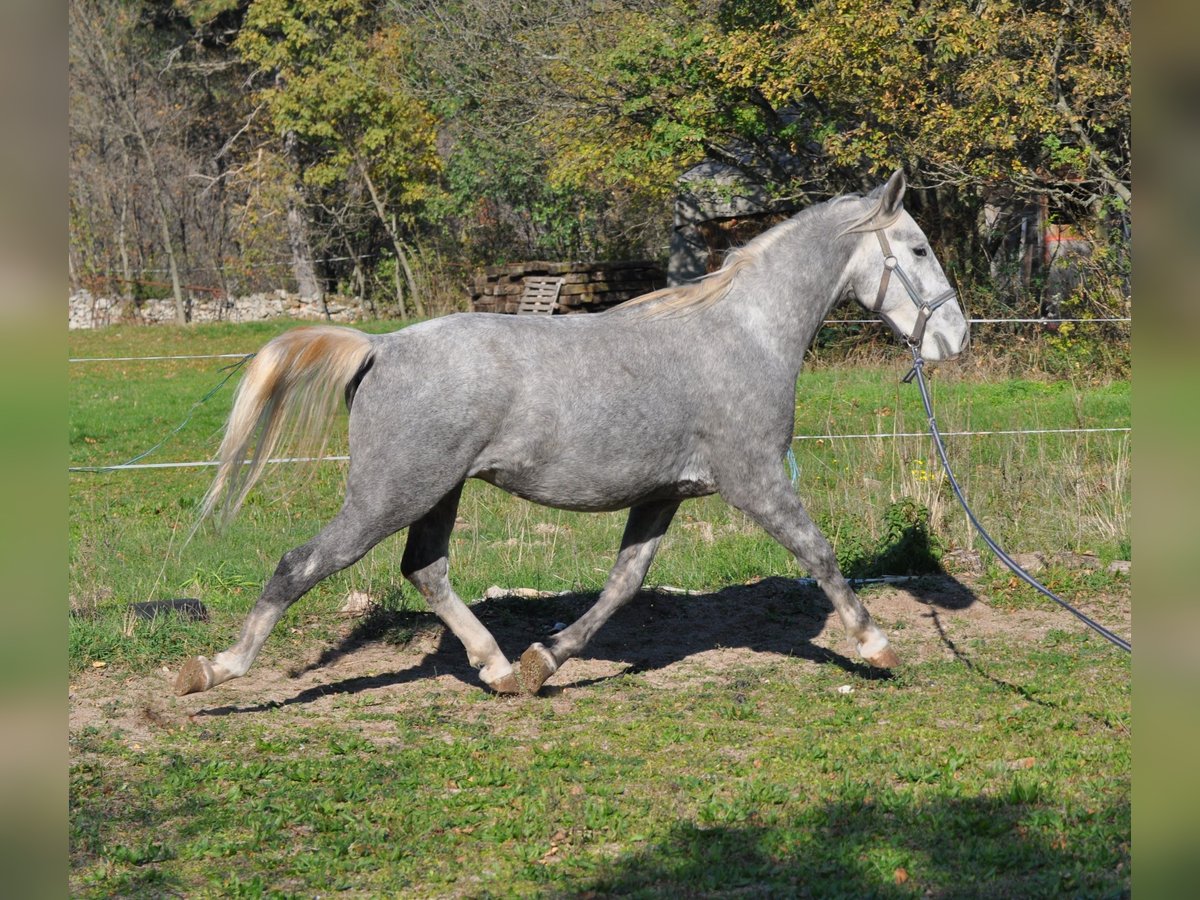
(653, 631)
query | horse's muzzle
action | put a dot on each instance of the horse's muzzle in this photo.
(947, 346)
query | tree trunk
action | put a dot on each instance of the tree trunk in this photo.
(389, 225)
(72, 275)
(123, 248)
(303, 265)
(164, 218)
(158, 190)
(176, 287)
(413, 290)
(159, 193)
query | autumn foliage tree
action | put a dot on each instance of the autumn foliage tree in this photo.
(993, 100)
(499, 129)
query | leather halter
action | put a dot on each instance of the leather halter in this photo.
(925, 309)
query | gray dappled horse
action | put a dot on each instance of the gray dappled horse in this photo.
(684, 392)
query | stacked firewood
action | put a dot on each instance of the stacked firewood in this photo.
(587, 287)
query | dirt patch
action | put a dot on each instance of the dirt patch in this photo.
(663, 638)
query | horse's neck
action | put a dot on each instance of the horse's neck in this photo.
(788, 294)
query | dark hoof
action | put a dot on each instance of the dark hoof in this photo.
(506, 685)
(884, 659)
(195, 677)
(536, 666)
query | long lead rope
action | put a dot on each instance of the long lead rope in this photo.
(233, 369)
(918, 374)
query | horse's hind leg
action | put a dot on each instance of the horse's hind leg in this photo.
(339, 544)
(643, 531)
(779, 511)
(425, 564)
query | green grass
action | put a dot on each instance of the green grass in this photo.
(763, 782)
(1005, 781)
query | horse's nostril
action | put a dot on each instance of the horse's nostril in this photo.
(946, 352)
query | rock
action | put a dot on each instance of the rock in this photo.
(1030, 562)
(87, 311)
(495, 592)
(358, 603)
(1077, 560)
(1119, 566)
(968, 561)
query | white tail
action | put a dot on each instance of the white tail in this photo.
(299, 376)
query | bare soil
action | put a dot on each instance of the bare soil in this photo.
(402, 660)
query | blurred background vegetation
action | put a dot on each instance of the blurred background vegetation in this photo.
(385, 150)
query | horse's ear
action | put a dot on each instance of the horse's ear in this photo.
(893, 193)
(888, 203)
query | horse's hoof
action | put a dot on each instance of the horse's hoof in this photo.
(536, 666)
(884, 659)
(506, 685)
(195, 677)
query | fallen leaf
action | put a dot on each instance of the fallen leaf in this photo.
(901, 875)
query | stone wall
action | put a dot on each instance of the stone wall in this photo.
(87, 311)
(587, 287)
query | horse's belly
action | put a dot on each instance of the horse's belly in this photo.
(562, 488)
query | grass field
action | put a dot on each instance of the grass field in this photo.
(995, 763)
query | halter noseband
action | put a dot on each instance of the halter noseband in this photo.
(925, 309)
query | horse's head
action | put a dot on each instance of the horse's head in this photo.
(894, 273)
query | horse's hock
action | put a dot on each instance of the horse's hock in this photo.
(586, 287)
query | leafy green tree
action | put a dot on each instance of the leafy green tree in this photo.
(485, 69)
(332, 80)
(495, 129)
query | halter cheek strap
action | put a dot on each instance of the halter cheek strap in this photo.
(925, 309)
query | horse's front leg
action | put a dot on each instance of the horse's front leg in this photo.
(773, 504)
(646, 525)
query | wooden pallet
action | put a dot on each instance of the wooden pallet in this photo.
(539, 296)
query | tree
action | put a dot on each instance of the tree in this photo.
(155, 111)
(488, 69)
(115, 95)
(219, 135)
(1016, 98)
(331, 78)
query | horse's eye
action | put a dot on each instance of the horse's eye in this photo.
(920, 251)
